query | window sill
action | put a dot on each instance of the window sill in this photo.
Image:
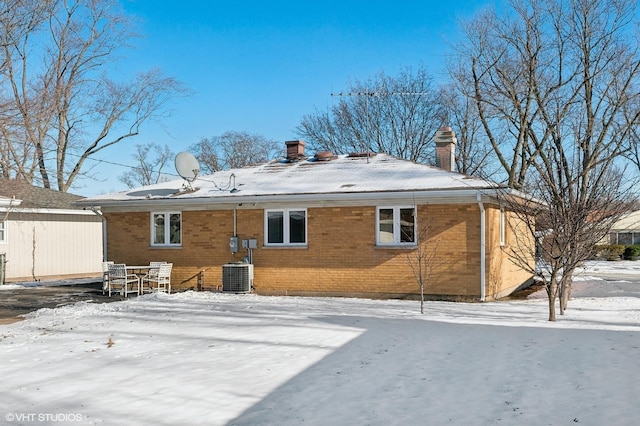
(285, 247)
(397, 247)
(166, 247)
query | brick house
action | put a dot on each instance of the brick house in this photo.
(324, 225)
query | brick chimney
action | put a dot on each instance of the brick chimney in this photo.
(446, 148)
(295, 149)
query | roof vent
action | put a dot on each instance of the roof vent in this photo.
(361, 154)
(324, 156)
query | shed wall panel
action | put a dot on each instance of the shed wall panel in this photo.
(50, 245)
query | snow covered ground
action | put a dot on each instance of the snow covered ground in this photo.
(209, 358)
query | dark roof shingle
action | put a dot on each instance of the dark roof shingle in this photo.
(37, 197)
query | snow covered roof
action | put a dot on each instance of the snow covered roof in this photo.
(342, 177)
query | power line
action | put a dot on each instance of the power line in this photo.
(103, 161)
(126, 166)
(378, 93)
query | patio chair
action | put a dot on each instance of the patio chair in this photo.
(105, 275)
(161, 281)
(150, 276)
(120, 280)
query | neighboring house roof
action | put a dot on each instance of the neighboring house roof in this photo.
(34, 197)
(628, 223)
(342, 178)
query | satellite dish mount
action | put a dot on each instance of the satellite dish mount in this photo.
(188, 168)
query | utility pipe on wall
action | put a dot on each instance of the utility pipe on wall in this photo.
(234, 239)
(104, 233)
(483, 248)
(235, 221)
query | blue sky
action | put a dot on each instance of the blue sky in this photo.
(259, 66)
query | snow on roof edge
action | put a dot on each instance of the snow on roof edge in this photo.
(380, 176)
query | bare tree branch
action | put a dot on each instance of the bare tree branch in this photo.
(234, 150)
(55, 66)
(151, 160)
(396, 115)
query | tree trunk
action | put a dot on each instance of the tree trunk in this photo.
(551, 293)
(565, 293)
(552, 308)
(563, 298)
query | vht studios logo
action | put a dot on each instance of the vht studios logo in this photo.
(43, 417)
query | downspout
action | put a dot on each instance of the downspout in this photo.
(235, 221)
(235, 230)
(104, 232)
(3, 257)
(483, 248)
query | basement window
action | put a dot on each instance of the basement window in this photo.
(286, 227)
(395, 226)
(166, 229)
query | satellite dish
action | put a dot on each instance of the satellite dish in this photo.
(187, 166)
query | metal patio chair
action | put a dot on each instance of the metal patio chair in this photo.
(160, 281)
(120, 280)
(105, 275)
(150, 276)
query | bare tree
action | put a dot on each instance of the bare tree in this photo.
(423, 260)
(206, 152)
(19, 20)
(495, 67)
(151, 159)
(632, 153)
(565, 231)
(396, 115)
(553, 82)
(233, 150)
(67, 107)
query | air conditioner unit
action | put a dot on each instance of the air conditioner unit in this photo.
(237, 277)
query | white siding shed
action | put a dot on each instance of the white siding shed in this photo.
(46, 236)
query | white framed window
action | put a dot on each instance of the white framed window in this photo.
(3, 232)
(285, 227)
(166, 229)
(503, 225)
(395, 226)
